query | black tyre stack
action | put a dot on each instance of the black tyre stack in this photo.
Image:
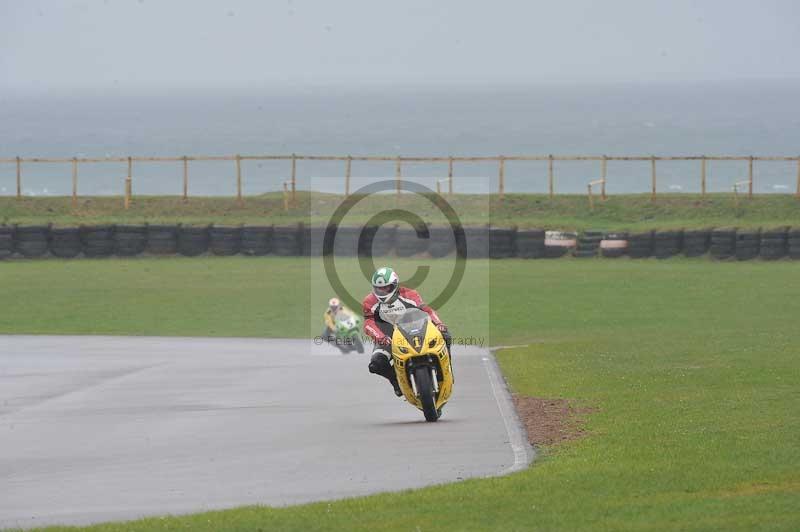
(286, 241)
(6, 241)
(747, 244)
(192, 240)
(130, 240)
(376, 241)
(773, 243)
(696, 242)
(346, 243)
(477, 242)
(558, 243)
(407, 243)
(502, 242)
(442, 242)
(97, 240)
(224, 241)
(162, 239)
(667, 244)
(65, 243)
(530, 243)
(723, 243)
(31, 241)
(588, 244)
(640, 245)
(614, 245)
(793, 243)
(256, 241)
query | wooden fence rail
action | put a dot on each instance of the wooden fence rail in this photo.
(291, 186)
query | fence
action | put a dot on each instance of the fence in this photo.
(290, 187)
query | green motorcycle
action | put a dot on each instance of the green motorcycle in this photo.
(348, 332)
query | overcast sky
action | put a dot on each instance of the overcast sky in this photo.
(53, 45)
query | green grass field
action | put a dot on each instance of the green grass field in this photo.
(619, 212)
(692, 367)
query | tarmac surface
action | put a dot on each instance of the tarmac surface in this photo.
(96, 429)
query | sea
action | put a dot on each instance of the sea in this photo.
(709, 118)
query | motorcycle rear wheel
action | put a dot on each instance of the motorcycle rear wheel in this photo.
(422, 378)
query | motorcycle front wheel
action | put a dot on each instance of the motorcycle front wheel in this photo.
(424, 382)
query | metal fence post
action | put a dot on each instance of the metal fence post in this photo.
(653, 177)
(450, 176)
(294, 179)
(19, 178)
(74, 182)
(603, 177)
(347, 176)
(185, 178)
(239, 198)
(750, 178)
(703, 176)
(398, 177)
(550, 186)
(129, 184)
(501, 178)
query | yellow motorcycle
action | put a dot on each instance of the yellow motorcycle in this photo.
(422, 363)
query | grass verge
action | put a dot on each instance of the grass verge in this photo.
(692, 367)
(619, 212)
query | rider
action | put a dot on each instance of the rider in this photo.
(387, 298)
(334, 307)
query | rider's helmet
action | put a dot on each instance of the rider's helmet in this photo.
(385, 284)
(334, 305)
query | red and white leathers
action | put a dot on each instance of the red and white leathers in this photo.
(376, 313)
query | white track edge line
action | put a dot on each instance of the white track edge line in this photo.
(524, 454)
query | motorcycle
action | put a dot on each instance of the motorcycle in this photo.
(348, 332)
(422, 363)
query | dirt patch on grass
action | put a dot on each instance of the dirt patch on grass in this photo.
(551, 421)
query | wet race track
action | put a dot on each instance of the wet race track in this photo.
(98, 428)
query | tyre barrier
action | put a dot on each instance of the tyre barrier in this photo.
(192, 240)
(558, 243)
(696, 242)
(530, 244)
(31, 241)
(346, 243)
(312, 240)
(224, 241)
(588, 244)
(723, 243)
(256, 241)
(97, 240)
(667, 244)
(747, 244)
(482, 242)
(614, 245)
(6, 241)
(65, 243)
(773, 243)
(162, 239)
(793, 244)
(477, 240)
(442, 242)
(129, 240)
(502, 243)
(286, 241)
(376, 241)
(640, 245)
(407, 243)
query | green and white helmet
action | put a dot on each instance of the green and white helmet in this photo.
(385, 284)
